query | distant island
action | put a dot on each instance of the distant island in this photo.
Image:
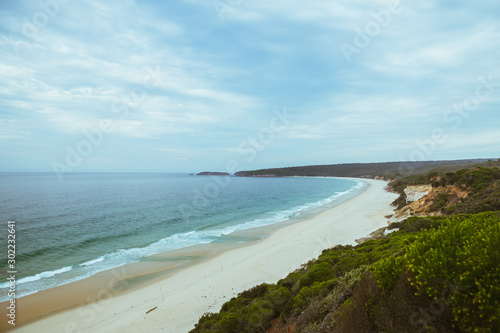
(208, 173)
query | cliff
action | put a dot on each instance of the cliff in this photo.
(416, 192)
(424, 200)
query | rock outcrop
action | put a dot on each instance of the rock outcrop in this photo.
(416, 192)
(424, 200)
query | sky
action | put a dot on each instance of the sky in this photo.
(226, 85)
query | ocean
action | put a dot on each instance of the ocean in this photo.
(91, 222)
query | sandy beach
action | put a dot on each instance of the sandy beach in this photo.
(175, 303)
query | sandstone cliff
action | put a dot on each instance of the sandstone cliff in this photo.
(424, 200)
(416, 192)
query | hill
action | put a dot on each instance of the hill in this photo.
(387, 170)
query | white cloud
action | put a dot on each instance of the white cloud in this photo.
(12, 132)
(218, 80)
(482, 139)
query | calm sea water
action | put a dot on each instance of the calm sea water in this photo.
(70, 230)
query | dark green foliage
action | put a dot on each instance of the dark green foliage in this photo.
(387, 272)
(308, 293)
(389, 170)
(280, 297)
(229, 323)
(208, 320)
(400, 202)
(370, 309)
(317, 273)
(477, 178)
(413, 224)
(466, 253)
(255, 292)
(260, 314)
(440, 203)
(400, 184)
(457, 265)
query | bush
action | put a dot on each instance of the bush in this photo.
(387, 272)
(414, 224)
(260, 314)
(440, 203)
(317, 290)
(317, 273)
(280, 297)
(254, 292)
(466, 255)
(229, 323)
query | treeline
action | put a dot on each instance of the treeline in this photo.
(430, 274)
(388, 170)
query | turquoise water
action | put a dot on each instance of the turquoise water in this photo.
(70, 230)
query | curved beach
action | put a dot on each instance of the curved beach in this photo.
(175, 303)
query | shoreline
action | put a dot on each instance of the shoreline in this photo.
(177, 299)
(124, 279)
(231, 231)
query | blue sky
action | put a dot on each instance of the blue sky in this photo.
(191, 85)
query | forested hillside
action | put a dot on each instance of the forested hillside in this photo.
(388, 170)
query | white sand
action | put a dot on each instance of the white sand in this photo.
(183, 297)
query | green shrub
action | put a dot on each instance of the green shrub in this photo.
(280, 297)
(229, 323)
(260, 314)
(440, 202)
(466, 254)
(414, 224)
(451, 209)
(317, 273)
(291, 280)
(254, 292)
(207, 320)
(388, 271)
(317, 290)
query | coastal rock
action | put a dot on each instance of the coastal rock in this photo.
(424, 205)
(415, 192)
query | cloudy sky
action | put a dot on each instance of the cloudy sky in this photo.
(190, 85)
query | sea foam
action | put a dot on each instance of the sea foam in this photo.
(120, 257)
